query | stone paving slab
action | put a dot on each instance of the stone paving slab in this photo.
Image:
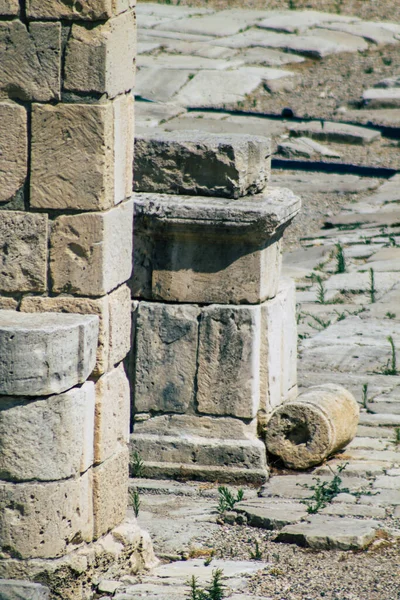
(303, 20)
(372, 32)
(334, 132)
(159, 84)
(220, 24)
(382, 98)
(269, 57)
(181, 62)
(324, 533)
(324, 183)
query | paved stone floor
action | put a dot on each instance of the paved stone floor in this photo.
(346, 271)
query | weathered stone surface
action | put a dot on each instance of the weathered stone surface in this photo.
(201, 425)
(73, 157)
(160, 85)
(382, 98)
(324, 183)
(228, 379)
(278, 358)
(216, 89)
(45, 353)
(91, 253)
(92, 10)
(8, 303)
(114, 312)
(23, 261)
(340, 133)
(11, 589)
(268, 58)
(322, 533)
(49, 438)
(227, 22)
(267, 515)
(237, 262)
(112, 414)
(9, 7)
(182, 61)
(40, 520)
(201, 164)
(318, 43)
(372, 32)
(305, 431)
(13, 149)
(165, 363)
(124, 141)
(30, 60)
(150, 114)
(110, 492)
(304, 147)
(304, 19)
(197, 458)
(101, 59)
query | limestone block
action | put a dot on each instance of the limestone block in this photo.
(101, 59)
(30, 60)
(110, 492)
(228, 380)
(165, 363)
(124, 141)
(91, 253)
(72, 157)
(24, 252)
(114, 312)
(278, 348)
(11, 589)
(112, 414)
(45, 353)
(82, 306)
(197, 249)
(9, 7)
(49, 438)
(90, 10)
(13, 149)
(200, 425)
(193, 162)
(40, 520)
(8, 303)
(194, 457)
(119, 302)
(321, 421)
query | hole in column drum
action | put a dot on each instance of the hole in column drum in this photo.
(297, 432)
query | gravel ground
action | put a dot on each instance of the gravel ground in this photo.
(370, 10)
(303, 574)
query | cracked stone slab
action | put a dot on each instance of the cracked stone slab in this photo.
(222, 124)
(220, 24)
(325, 533)
(373, 118)
(151, 114)
(215, 89)
(340, 133)
(372, 32)
(181, 61)
(266, 515)
(160, 84)
(301, 21)
(305, 147)
(169, 11)
(268, 57)
(382, 98)
(324, 183)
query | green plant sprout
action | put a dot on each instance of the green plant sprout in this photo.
(340, 259)
(321, 291)
(391, 367)
(135, 502)
(227, 500)
(257, 554)
(324, 491)
(372, 288)
(215, 590)
(137, 465)
(365, 395)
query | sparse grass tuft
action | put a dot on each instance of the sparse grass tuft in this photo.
(135, 502)
(137, 465)
(324, 491)
(391, 367)
(372, 288)
(321, 291)
(215, 590)
(257, 554)
(227, 500)
(365, 395)
(340, 259)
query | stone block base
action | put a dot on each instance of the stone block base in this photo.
(126, 550)
(198, 458)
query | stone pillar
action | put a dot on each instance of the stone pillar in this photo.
(66, 151)
(215, 329)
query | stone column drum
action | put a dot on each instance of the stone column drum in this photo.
(215, 330)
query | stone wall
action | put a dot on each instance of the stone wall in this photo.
(66, 152)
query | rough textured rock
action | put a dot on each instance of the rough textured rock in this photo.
(13, 149)
(305, 431)
(197, 458)
(92, 10)
(237, 262)
(101, 59)
(201, 164)
(47, 439)
(340, 133)
(165, 364)
(40, 520)
(9, 7)
(110, 492)
(91, 253)
(72, 157)
(228, 379)
(45, 353)
(382, 98)
(30, 60)
(23, 261)
(22, 590)
(112, 414)
(114, 312)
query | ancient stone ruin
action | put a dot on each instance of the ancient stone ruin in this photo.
(166, 309)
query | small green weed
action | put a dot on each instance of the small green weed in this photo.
(215, 590)
(208, 560)
(227, 500)
(372, 288)
(135, 502)
(365, 395)
(292, 4)
(338, 6)
(390, 315)
(340, 259)
(391, 367)
(319, 324)
(321, 291)
(324, 491)
(257, 554)
(397, 436)
(137, 465)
